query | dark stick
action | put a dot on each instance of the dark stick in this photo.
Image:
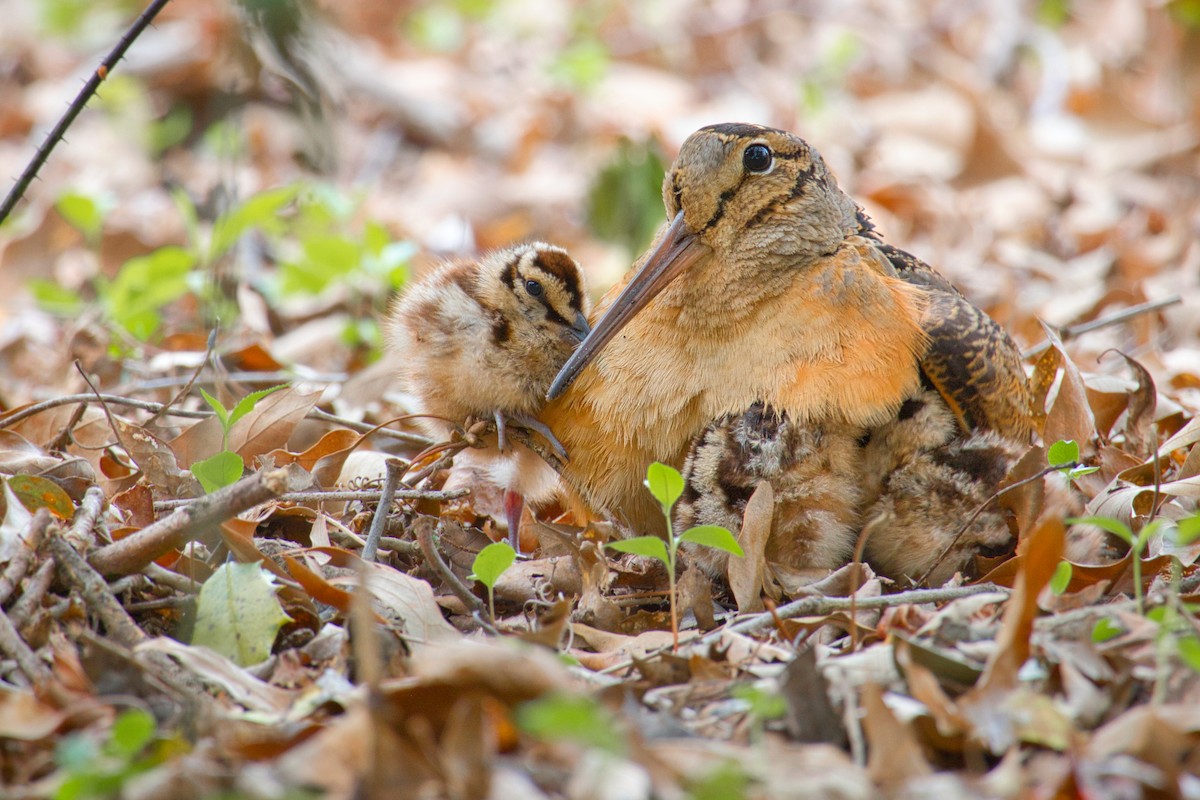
(77, 105)
(395, 469)
(1103, 322)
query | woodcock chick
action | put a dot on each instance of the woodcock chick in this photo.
(769, 289)
(484, 338)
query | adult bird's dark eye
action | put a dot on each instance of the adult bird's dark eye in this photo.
(534, 288)
(757, 158)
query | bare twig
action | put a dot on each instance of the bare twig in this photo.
(148, 405)
(80, 534)
(367, 495)
(13, 646)
(18, 566)
(133, 553)
(32, 592)
(363, 427)
(112, 399)
(1115, 318)
(76, 571)
(172, 580)
(112, 424)
(272, 378)
(77, 105)
(395, 469)
(815, 606)
(423, 528)
(210, 345)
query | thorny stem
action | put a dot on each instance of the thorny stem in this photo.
(89, 88)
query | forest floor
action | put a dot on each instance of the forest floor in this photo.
(233, 213)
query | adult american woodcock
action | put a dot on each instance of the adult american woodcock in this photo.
(768, 285)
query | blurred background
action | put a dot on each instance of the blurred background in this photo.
(284, 166)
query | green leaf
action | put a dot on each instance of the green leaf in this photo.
(1187, 530)
(1188, 648)
(1063, 452)
(37, 492)
(144, 285)
(624, 203)
(665, 483)
(1113, 526)
(219, 471)
(491, 562)
(1105, 629)
(55, 299)
(713, 536)
(1143, 536)
(238, 614)
(727, 781)
(262, 211)
(132, 730)
(247, 403)
(1061, 578)
(568, 717)
(648, 546)
(84, 213)
(218, 409)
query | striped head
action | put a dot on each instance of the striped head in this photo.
(537, 293)
(758, 200)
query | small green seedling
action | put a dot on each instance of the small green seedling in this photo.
(1136, 541)
(226, 467)
(666, 484)
(492, 562)
(1064, 456)
(1061, 578)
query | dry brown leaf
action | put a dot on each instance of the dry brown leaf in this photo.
(270, 424)
(747, 574)
(895, 757)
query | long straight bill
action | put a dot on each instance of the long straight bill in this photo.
(677, 250)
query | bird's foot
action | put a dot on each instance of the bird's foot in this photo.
(536, 425)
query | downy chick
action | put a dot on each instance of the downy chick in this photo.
(484, 338)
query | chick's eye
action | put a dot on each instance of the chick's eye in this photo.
(534, 288)
(757, 158)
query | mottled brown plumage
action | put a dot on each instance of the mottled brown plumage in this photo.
(814, 470)
(770, 289)
(763, 287)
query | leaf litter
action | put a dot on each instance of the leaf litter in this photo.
(1043, 158)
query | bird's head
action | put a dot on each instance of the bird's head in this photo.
(540, 288)
(745, 194)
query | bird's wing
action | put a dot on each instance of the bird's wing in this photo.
(971, 360)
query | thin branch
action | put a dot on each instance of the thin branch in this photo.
(817, 606)
(148, 405)
(210, 345)
(395, 469)
(75, 570)
(13, 646)
(80, 534)
(366, 495)
(27, 546)
(32, 593)
(1116, 318)
(423, 528)
(76, 106)
(134, 552)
